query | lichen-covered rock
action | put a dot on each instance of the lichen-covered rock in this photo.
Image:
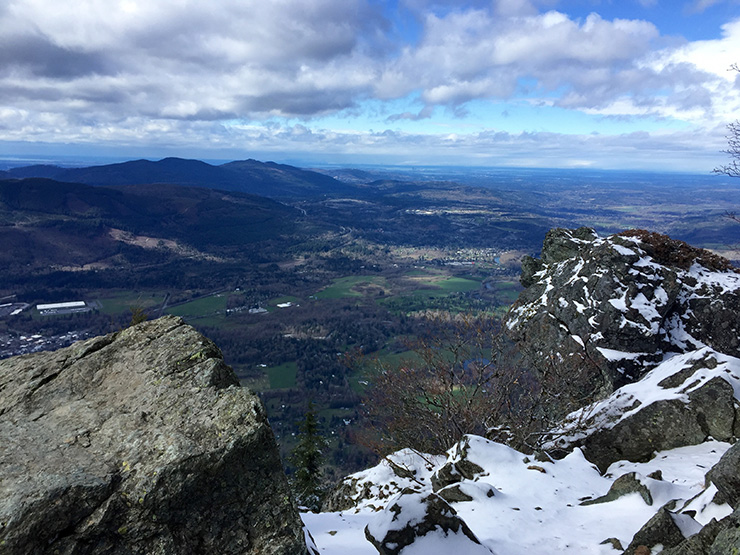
(727, 541)
(604, 311)
(139, 442)
(715, 538)
(417, 523)
(698, 544)
(722, 487)
(561, 244)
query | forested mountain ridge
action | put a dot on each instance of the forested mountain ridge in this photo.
(47, 223)
(248, 176)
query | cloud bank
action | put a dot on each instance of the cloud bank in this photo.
(231, 74)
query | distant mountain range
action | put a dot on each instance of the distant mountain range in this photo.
(246, 176)
(45, 222)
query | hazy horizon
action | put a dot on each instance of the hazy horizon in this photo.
(636, 84)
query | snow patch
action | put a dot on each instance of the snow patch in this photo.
(624, 251)
(620, 303)
(543, 499)
(612, 354)
(726, 281)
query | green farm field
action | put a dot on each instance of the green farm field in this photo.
(123, 301)
(347, 286)
(283, 376)
(203, 306)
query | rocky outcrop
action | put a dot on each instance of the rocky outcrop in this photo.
(138, 442)
(458, 467)
(636, 337)
(405, 470)
(602, 312)
(648, 327)
(413, 518)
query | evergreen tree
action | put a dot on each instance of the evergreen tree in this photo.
(307, 457)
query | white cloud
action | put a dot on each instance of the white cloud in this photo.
(690, 150)
(698, 82)
(194, 59)
(473, 54)
(143, 69)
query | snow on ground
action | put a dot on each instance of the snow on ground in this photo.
(340, 533)
(684, 468)
(381, 482)
(536, 507)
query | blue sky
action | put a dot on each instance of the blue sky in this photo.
(634, 84)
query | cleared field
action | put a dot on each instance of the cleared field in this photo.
(283, 376)
(445, 286)
(506, 291)
(348, 287)
(200, 307)
(123, 301)
(459, 285)
(392, 359)
(272, 305)
(212, 321)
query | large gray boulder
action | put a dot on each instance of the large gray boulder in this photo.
(139, 442)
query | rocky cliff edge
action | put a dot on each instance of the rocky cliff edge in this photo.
(603, 312)
(140, 441)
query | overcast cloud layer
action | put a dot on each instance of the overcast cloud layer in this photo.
(412, 81)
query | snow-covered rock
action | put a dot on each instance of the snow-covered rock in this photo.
(685, 400)
(605, 311)
(536, 507)
(418, 523)
(372, 488)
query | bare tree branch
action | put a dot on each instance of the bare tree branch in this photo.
(733, 145)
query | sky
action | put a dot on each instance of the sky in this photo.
(614, 84)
